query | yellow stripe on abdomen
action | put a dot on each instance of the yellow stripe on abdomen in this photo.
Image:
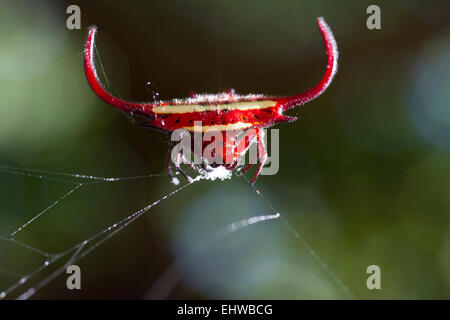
(190, 108)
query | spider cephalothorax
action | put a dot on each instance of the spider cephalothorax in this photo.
(223, 112)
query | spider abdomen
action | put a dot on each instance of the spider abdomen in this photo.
(218, 117)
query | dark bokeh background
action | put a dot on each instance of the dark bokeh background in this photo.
(364, 173)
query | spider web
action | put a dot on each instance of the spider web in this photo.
(25, 284)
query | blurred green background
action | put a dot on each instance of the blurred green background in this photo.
(364, 173)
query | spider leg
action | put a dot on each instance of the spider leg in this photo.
(250, 164)
(177, 163)
(236, 158)
(242, 148)
(255, 159)
(174, 179)
(262, 154)
(233, 165)
(235, 162)
(231, 149)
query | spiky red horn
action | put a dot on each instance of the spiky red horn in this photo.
(91, 75)
(332, 53)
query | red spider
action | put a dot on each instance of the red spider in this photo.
(221, 112)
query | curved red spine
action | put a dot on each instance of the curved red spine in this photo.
(332, 53)
(97, 87)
